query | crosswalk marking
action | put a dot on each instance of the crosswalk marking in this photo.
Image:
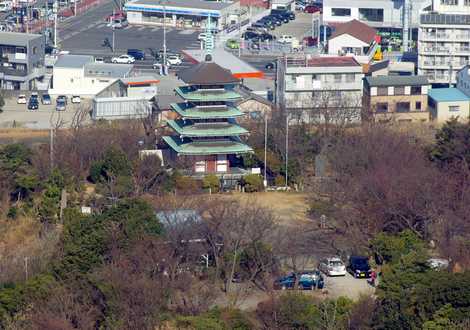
(101, 25)
(140, 28)
(155, 29)
(186, 32)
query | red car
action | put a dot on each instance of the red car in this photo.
(117, 15)
(310, 41)
(312, 9)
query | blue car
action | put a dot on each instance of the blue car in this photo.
(308, 280)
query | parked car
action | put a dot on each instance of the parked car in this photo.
(61, 104)
(270, 65)
(257, 29)
(75, 99)
(266, 37)
(308, 280)
(248, 35)
(33, 104)
(300, 5)
(310, 41)
(159, 54)
(232, 44)
(21, 99)
(46, 99)
(311, 9)
(359, 267)
(282, 18)
(285, 39)
(276, 20)
(62, 98)
(6, 6)
(264, 24)
(283, 12)
(99, 59)
(173, 60)
(137, 54)
(127, 59)
(117, 15)
(332, 266)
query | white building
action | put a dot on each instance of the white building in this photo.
(376, 13)
(354, 39)
(308, 86)
(80, 75)
(444, 40)
(185, 13)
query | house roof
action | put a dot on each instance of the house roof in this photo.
(356, 29)
(73, 61)
(385, 81)
(17, 39)
(377, 66)
(207, 73)
(447, 95)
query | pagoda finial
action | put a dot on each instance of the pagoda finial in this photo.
(209, 42)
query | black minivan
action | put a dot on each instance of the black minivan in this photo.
(138, 54)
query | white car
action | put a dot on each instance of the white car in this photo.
(173, 60)
(75, 99)
(332, 266)
(6, 6)
(123, 59)
(99, 60)
(202, 36)
(285, 39)
(21, 99)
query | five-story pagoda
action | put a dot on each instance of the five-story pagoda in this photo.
(207, 131)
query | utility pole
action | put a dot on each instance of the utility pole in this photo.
(112, 28)
(165, 69)
(265, 148)
(287, 145)
(27, 17)
(54, 10)
(75, 8)
(26, 267)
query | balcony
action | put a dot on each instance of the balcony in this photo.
(13, 72)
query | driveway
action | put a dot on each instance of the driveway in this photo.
(347, 286)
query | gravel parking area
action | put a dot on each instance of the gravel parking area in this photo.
(299, 28)
(347, 286)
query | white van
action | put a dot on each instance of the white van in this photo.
(6, 6)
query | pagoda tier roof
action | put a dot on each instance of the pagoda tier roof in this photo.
(191, 94)
(215, 147)
(191, 111)
(207, 73)
(212, 129)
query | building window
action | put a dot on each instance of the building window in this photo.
(338, 78)
(350, 77)
(450, 2)
(400, 90)
(200, 166)
(403, 107)
(416, 90)
(340, 11)
(371, 14)
(382, 91)
(454, 108)
(418, 106)
(381, 107)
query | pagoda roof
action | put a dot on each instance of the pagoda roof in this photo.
(192, 94)
(225, 146)
(190, 111)
(212, 129)
(207, 73)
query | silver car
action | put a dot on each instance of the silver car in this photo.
(332, 266)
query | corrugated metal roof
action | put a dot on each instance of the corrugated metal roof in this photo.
(108, 70)
(447, 95)
(73, 61)
(385, 81)
(17, 39)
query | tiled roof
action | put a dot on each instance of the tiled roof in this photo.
(207, 73)
(356, 29)
(186, 110)
(228, 146)
(385, 81)
(447, 95)
(206, 129)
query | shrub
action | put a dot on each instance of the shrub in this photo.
(252, 182)
(187, 184)
(280, 181)
(211, 181)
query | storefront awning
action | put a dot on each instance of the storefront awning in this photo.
(240, 69)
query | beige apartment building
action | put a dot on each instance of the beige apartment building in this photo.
(396, 98)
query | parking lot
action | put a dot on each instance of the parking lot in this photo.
(18, 115)
(298, 28)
